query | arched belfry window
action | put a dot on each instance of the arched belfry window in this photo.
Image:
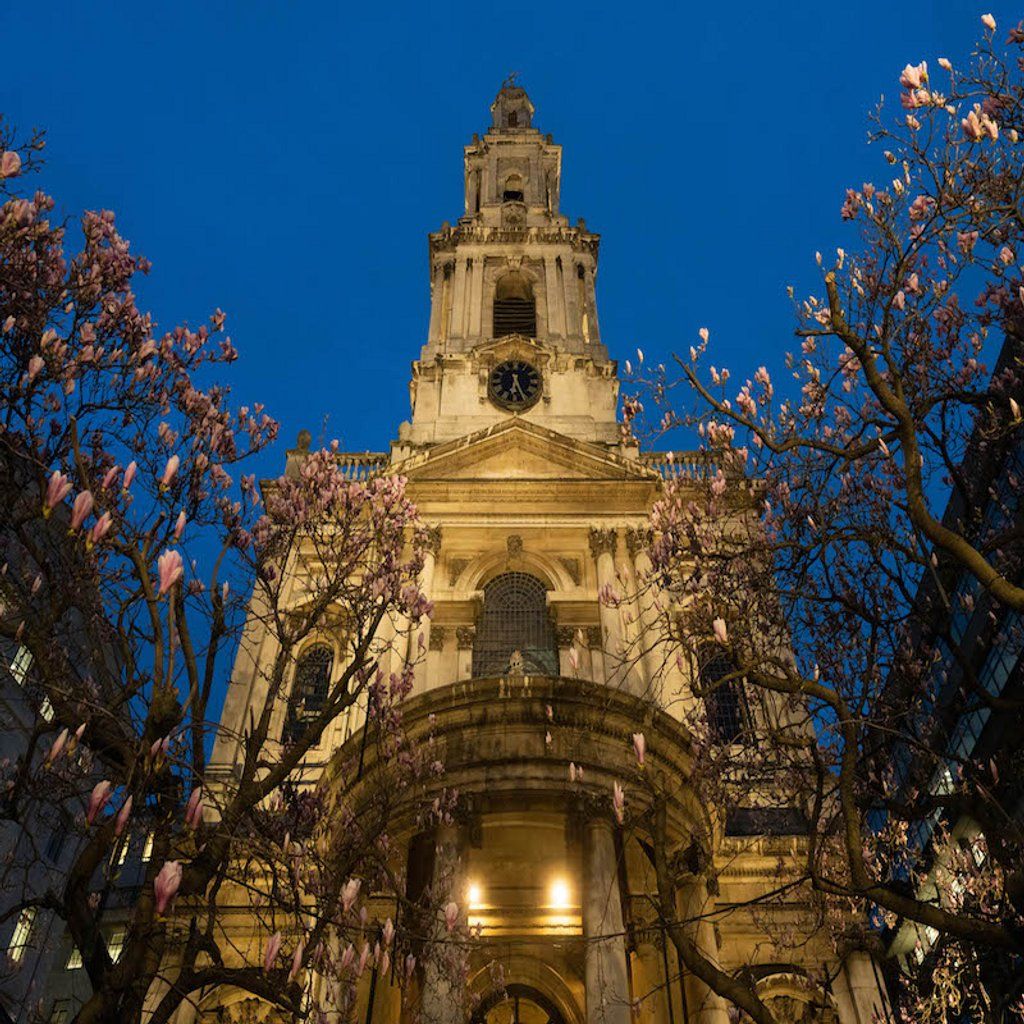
(515, 309)
(515, 618)
(725, 702)
(310, 687)
(513, 192)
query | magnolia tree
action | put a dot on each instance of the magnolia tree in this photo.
(130, 542)
(860, 540)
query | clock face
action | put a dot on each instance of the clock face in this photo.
(514, 385)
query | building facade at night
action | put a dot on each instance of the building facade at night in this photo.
(536, 501)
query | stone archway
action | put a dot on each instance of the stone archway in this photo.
(517, 1004)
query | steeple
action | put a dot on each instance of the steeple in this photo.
(513, 243)
(513, 315)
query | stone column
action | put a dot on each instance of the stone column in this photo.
(564, 636)
(595, 330)
(860, 991)
(464, 637)
(476, 297)
(442, 994)
(435, 656)
(422, 628)
(459, 300)
(605, 976)
(602, 547)
(704, 1006)
(654, 652)
(436, 295)
(556, 300)
(595, 651)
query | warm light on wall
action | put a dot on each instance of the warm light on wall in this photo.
(559, 895)
(473, 895)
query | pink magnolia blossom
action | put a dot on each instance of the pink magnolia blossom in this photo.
(297, 960)
(194, 808)
(451, 915)
(721, 632)
(388, 932)
(122, 816)
(574, 659)
(270, 953)
(385, 963)
(618, 802)
(989, 22)
(56, 491)
(169, 471)
(179, 525)
(913, 77)
(100, 528)
(110, 476)
(98, 800)
(349, 892)
(639, 747)
(348, 957)
(35, 366)
(1015, 409)
(166, 884)
(410, 965)
(81, 508)
(572, 771)
(170, 569)
(10, 164)
(364, 957)
(129, 475)
(57, 747)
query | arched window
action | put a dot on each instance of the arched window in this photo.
(513, 189)
(310, 687)
(515, 310)
(515, 618)
(725, 702)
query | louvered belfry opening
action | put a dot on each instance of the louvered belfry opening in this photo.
(515, 309)
(515, 618)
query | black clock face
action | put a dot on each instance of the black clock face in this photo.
(514, 385)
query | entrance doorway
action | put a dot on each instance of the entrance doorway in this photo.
(518, 1004)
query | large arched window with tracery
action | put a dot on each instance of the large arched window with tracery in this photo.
(515, 618)
(310, 687)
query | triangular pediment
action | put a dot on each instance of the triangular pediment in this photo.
(516, 449)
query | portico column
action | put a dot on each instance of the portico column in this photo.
(602, 547)
(638, 541)
(417, 653)
(704, 1005)
(464, 637)
(605, 977)
(442, 997)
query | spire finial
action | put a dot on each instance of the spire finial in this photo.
(511, 80)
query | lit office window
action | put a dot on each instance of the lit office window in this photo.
(22, 933)
(115, 944)
(20, 664)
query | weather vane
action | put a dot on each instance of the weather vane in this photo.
(511, 80)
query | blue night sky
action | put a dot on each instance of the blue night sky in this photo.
(285, 161)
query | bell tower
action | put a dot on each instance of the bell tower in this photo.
(513, 313)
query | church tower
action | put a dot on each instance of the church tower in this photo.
(527, 683)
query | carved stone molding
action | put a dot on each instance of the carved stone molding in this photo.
(602, 541)
(456, 567)
(433, 540)
(438, 635)
(464, 637)
(564, 636)
(638, 538)
(514, 544)
(572, 567)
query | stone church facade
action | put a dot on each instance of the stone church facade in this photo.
(537, 501)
